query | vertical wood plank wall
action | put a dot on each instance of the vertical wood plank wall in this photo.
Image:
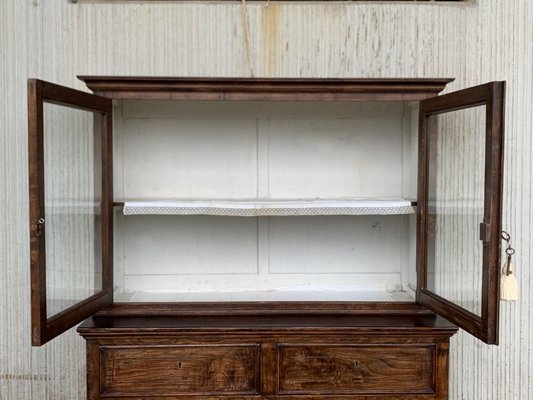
(55, 40)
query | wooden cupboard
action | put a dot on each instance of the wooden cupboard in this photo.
(267, 238)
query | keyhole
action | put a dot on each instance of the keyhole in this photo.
(38, 226)
(357, 374)
(179, 365)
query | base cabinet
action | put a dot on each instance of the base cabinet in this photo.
(268, 363)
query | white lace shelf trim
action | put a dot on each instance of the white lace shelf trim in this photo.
(260, 208)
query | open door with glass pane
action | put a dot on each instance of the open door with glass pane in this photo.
(70, 206)
(459, 207)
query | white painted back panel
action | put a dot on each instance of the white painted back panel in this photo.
(335, 158)
(189, 245)
(184, 158)
(167, 150)
(182, 254)
(338, 245)
(187, 150)
(169, 109)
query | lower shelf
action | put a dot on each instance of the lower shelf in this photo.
(276, 356)
(266, 295)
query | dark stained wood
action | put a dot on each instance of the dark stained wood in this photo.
(346, 369)
(272, 89)
(36, 192)
(270, 350)
(494, 202)
(98, 176)
(461, 99)
(467, 320)
(397, 357)
(39, 92)
(93, 369)
(442, 367)
(173, 370)
(274, 324)
(61, 95)
(485, 326)
(107, 203)
(266, 308)
(269, 368)
(425, 235)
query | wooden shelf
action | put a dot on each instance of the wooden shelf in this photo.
(265, 296)
(269, 207)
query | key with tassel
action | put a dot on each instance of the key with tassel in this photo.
(508, 284)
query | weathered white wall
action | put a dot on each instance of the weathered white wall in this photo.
(55, 40)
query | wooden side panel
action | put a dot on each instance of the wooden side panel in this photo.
(359, 369)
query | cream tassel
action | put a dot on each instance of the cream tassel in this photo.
(508, 285)
(509, 290)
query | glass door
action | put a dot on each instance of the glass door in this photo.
(70, 206)
(459, 207)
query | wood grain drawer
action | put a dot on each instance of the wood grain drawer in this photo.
(152, 371)
(356, 369)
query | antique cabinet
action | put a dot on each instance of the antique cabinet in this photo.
(265, 238)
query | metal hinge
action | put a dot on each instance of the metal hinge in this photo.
(484, 232)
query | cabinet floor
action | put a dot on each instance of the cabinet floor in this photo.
(267, 295)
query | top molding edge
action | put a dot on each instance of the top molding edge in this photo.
(272, 89)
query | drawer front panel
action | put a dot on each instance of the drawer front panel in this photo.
(356, 369)
(173, 370)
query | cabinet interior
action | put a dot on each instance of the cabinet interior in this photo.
(276, 153)
(258, 196)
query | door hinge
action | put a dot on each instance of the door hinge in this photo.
(484, 232)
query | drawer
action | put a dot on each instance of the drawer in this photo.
(151, 371)
(356, 369)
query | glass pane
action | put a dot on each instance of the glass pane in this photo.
(455, 206)
(73, 223)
